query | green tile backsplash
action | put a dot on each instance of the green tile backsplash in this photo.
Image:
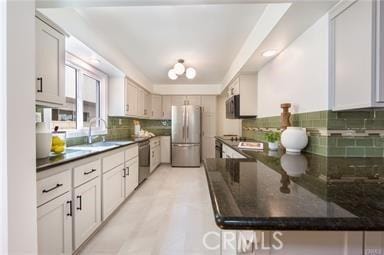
(333, 134)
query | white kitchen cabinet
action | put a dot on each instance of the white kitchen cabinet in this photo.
(185, 100)
(123, 97)
(193, 100)
(140, 102)
(208, 104)
(165, 144)
(147, 105)
(113, 190)
(50, 64)
(245, 85)
(157, 112)
(208, 147)
(155, 153)
(167, 107)
(357, 57)
(54, 226)
(87, 210)
(179, 100)
(131, 176)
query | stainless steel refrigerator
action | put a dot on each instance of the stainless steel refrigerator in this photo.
(186, 135)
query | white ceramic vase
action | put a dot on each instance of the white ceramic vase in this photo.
(43, 140)
(294, 139)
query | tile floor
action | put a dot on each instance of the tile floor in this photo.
(168, 214)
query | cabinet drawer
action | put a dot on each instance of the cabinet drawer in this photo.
(53, 186)
(131, 152)
(86, 172)
(113, 161)
(155, 142)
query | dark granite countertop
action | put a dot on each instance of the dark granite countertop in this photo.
(276, 191)
(82, 151)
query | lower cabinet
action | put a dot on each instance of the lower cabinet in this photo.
(165, 149)
(131, 176)
(54, 226)
(87, 210)
(113, 190)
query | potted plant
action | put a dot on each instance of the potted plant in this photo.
(273, 140)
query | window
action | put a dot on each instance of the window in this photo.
(85, 99)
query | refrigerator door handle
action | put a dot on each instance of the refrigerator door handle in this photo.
(187, 124)
(184, 124)
(184, 145)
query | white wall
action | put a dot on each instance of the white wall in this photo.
(299, 75)
(20, 119)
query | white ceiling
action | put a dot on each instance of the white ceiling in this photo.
(153, 38)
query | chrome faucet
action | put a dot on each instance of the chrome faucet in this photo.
(90, 128)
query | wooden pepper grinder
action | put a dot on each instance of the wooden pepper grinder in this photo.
(285, 116)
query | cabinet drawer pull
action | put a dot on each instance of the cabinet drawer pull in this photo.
(80, 203)
(53, 188)
(70, 208)
(124, 174)
(40, 79)
(89, 172)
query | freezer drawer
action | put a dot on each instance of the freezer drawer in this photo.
(186, 155)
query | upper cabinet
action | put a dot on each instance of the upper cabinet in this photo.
(157, 112)
(123, 97)
(185, 100)
(357, 67)
(208, 104)
(140, 103)
(245, 85)
(50, 65)
(167, 107)
(147, 105)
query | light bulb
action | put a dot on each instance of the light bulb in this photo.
(179, 68)
(172, 74)
(190, 73)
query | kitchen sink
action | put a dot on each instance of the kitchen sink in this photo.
(100, 146)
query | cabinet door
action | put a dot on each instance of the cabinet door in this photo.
(113, 190)
(131, 176)
(352, 60)
(167, 107)
(179, 100)
(208, 147)
(140, 102)
(208, 104)
(165, 151)
(157, 112)
(194, 100)
(54, 226)
(131, 100)
(87, 211)
(147, 105)
(209, 125)
(50, 64)
(153, 160)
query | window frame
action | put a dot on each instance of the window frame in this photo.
(83, 68)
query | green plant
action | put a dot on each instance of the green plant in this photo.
(272, 137)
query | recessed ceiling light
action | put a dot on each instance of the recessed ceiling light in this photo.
(269, 53)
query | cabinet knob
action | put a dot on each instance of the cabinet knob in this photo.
(40, 89)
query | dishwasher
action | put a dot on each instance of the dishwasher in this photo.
(144, 160)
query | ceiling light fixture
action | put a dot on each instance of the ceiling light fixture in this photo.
(180, 69)
(190, 73)
(172, 74)
(269, 53)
